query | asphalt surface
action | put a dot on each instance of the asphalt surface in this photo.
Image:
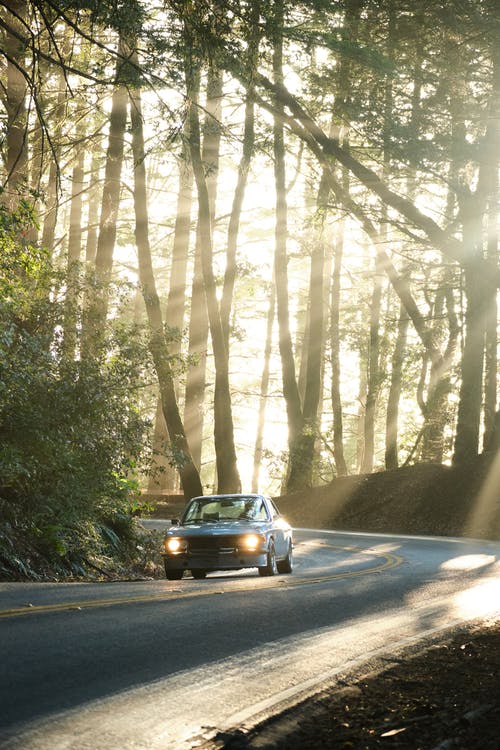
(158, 664)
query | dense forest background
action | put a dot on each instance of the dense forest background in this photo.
(243, 245)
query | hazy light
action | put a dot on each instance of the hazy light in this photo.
(481, 519)
(468, 562)
(477, 600)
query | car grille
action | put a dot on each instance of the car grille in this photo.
(213, 544)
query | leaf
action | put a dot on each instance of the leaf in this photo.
(392, 732)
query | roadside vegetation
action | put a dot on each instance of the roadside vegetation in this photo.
(72, 433)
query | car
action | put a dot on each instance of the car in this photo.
(228, 532)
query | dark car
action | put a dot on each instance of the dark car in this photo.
(228, 532)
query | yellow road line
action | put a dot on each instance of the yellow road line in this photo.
(389, 561)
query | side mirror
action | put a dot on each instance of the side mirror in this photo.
(175, 521)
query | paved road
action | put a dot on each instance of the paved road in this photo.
(158, 664)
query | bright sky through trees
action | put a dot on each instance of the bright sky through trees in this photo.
(344, 176)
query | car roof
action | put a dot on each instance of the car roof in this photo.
(229, 494)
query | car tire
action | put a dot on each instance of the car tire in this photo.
(286, 565)
(172, 574)
(198, 573)
(271, 568)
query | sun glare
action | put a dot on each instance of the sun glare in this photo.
(476, 601)
(469, 562)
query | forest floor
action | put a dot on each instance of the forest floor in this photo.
(443, 697)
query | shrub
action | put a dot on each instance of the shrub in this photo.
(71, 433)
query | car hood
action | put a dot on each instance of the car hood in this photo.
(219, 528)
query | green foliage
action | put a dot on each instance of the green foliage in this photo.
(71, 432)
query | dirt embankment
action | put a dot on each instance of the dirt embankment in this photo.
(428, 499)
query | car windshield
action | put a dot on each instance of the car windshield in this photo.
(240, 508)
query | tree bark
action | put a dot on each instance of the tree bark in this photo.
(290, 388)
(395, 389)
(198, 322)
(15, 105)
(243, 169)
(98, 299)
(74, 252)
(373, 379)
(338, 428)
(227, 471)
(264, 389)
(480, 290)
(189, 476)
(339, 130)
(491, 164)
(52, 188)
(93, 214)
(174, 316)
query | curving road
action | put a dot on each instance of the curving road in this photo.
(158, 664)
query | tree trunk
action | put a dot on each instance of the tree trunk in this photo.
(290, 388)
(374, 374)
(313, 354)
(15, 105)
(174, 316)
(360, 421)
(395, 388)
(491, 363)
(339, 131)
(338, 429)
(227, 471)
(190, 479)
(198, 341)
(471, 387)
(264, 388)
(436, 409)
(373, 380)
(491, 164)
(52, 189)
(95, 315)
(93, 214)
(243, 169)
(480, 289)
(198, 322)
(74, 253)
(36, 171)
(304, 448)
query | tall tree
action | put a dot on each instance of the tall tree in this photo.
(74, 246)
(175, 315)
(491, 165)
(198, 322)
(188, 473)
(243, 169)
(15, 101)
(290, 387)
(97, 305)
(227, 471)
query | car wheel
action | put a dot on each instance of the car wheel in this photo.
(271, 568)
(286, 565)
(198, 573)
(173, 575)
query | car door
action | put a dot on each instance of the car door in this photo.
(278, 530)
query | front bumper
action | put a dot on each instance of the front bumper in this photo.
(215, 560)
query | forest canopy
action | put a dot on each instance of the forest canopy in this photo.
(244, 244)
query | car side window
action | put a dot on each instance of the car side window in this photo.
(274, 509)
(261, 513)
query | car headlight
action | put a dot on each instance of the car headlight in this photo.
(251, 542)
(174, 544)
